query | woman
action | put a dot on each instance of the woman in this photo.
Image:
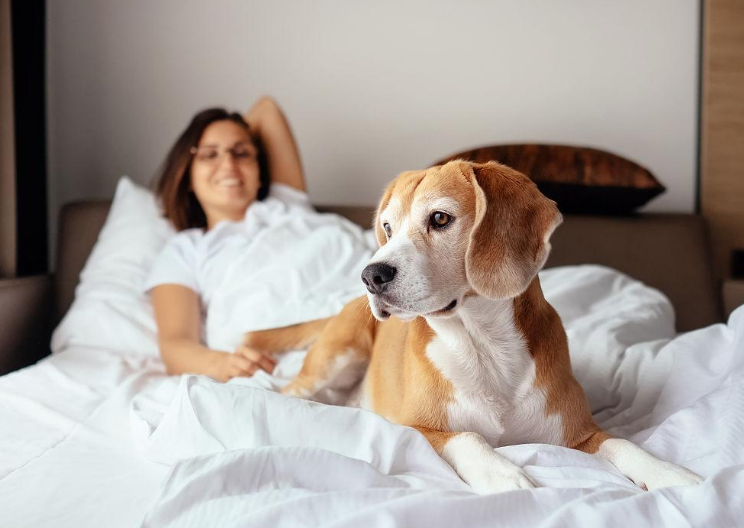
(218, 168)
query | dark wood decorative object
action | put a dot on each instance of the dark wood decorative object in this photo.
(581, 180)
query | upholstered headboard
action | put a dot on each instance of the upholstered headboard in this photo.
(669, 252)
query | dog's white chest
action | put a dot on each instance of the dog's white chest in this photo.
(493, 375)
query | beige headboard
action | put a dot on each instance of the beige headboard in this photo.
(669, 252)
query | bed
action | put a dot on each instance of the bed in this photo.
(97, 435)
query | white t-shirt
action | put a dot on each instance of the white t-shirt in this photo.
(197, 259)
(282, 264)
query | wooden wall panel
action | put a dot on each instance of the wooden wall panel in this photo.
(7, 150)
(722, 128)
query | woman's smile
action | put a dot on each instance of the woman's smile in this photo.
(229, 181)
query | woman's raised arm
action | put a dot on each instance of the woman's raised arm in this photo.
(268, 122)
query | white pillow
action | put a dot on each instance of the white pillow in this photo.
(111, 310)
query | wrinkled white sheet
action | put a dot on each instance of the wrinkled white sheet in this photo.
(301, 266)
(67, 456)
(95, 437)
(245, 456)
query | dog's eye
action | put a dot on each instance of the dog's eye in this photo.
(388, 229)
(439, 220)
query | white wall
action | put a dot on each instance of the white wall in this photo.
(373, 88)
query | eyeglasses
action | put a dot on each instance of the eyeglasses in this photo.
(241, 153)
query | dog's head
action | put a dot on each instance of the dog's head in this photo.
(456, 230)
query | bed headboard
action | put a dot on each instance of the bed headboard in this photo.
(669, 252)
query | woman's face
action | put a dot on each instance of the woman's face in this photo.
(224, 172)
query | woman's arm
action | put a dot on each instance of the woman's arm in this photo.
(268, 122)
(179, 328)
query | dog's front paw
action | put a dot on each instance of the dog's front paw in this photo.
(665, 474)
(485, 470)
(297, 389)
(497, 480)
(647, 471)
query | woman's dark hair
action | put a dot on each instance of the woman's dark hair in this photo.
(173, 185)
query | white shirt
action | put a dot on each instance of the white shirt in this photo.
(282, 264)
(196, 258)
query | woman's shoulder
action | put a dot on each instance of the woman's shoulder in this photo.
(177, 261)
(187, 241)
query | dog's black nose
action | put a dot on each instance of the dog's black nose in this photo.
(376, 276)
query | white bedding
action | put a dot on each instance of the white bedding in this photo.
(101, 437)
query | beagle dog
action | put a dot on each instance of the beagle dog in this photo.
(455, 338)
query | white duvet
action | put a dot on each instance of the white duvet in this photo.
(99, 437)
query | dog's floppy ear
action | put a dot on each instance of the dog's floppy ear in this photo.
(509, 242)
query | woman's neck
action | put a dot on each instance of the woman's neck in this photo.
(215, 218)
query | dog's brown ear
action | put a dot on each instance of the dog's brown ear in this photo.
(509, 242)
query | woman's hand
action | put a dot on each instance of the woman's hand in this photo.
(244, 362)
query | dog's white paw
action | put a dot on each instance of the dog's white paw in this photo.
(480, 466)
(499, 479)
(647, 471)
(664, 475)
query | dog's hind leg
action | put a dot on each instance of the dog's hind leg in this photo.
(337, 361)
